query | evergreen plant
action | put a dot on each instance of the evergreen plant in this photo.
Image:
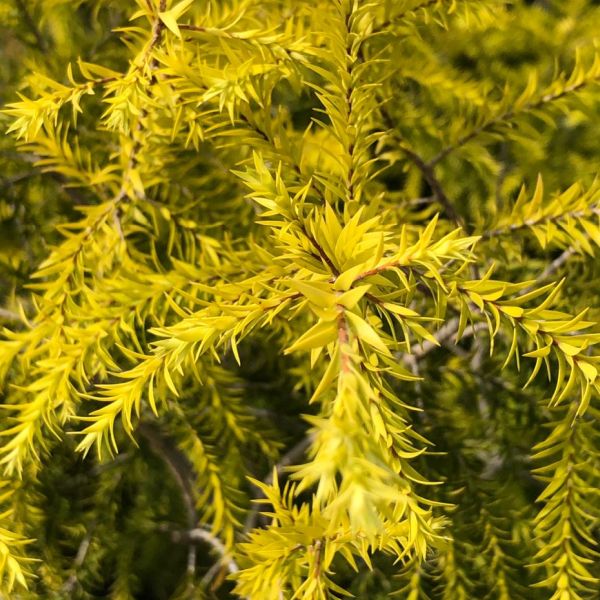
(300, 299)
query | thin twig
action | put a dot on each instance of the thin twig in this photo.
(426, 169)
(177, 464)
(10, 181)
(289, 458)
(179, 468)
(435, 185)
(9, 315)
(198, 534)
(82, 551)
(557, 263)
(202, 535)
(418, 351)
(576, 214)
(554, 266)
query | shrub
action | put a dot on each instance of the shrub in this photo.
(336, 257)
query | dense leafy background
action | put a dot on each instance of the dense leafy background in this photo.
(120, 527)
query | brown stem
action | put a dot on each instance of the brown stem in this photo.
(426, 169)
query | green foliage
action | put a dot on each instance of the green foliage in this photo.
(287, 255)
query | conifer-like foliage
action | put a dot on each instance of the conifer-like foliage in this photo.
(300, 299)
